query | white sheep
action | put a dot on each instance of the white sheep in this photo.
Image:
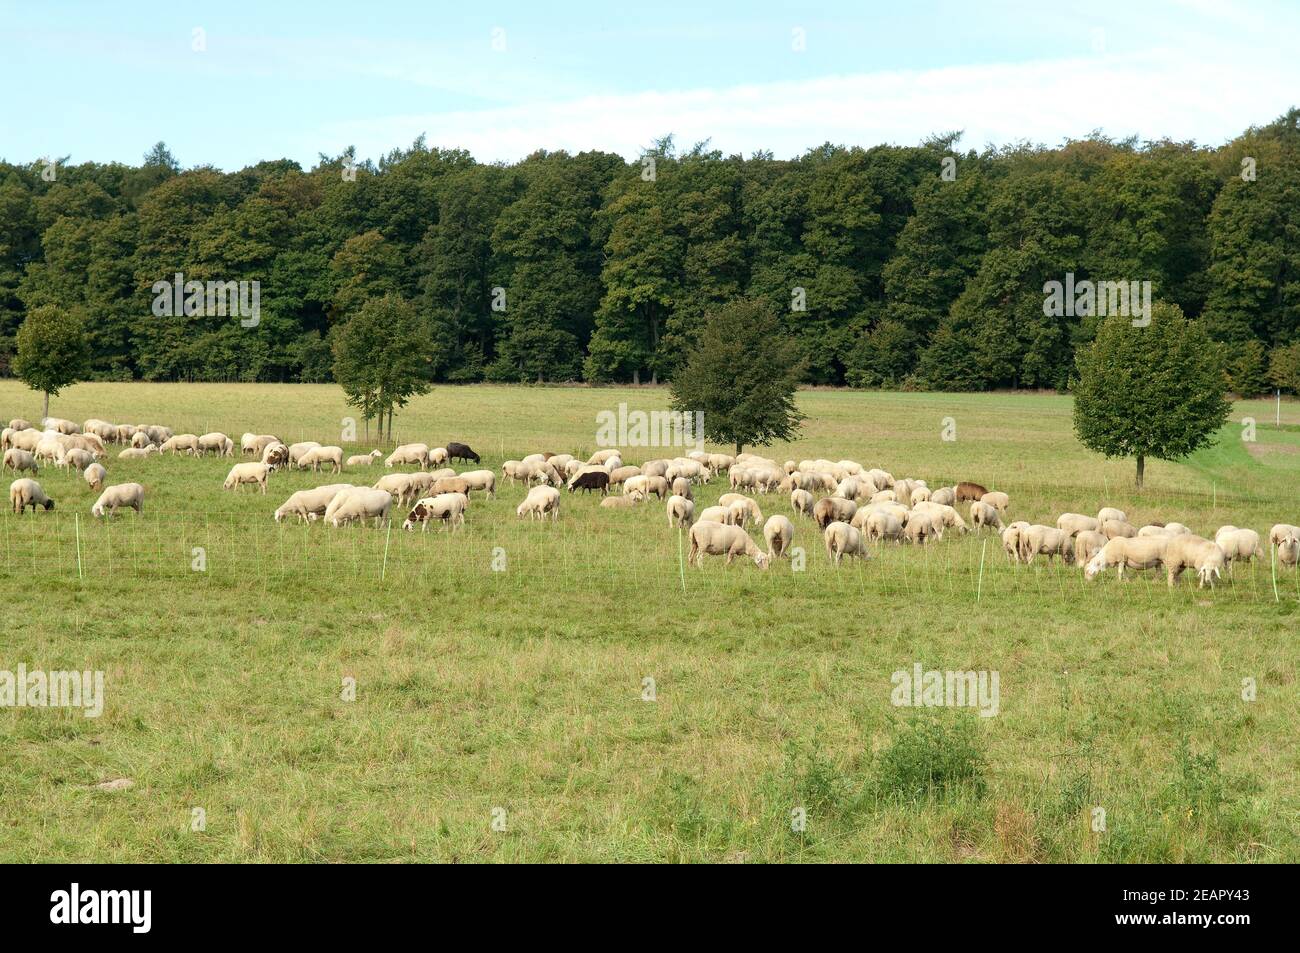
(242, 473)
(1112, 528)
(296, 450)
(400, 485)
(182, 442)
(1111, 513)
(717, 539)
(218, 443)
(364, 459)
(409, 453)
(19, 460)
(358, 504)
(309, 504)
(1011, 538)
(1073, 523)
(27, 492)
(1238, 545)
(984, 514)
(540, 501)
(484, 480)
(997, 499)
(94, 475)
(135, 453)
(1186, 551)
(118, 496)
(448, 508)
(1049, 541)
(945, 495)
(778, 531)
(317, 456)
(681, 511)
(1281, 531)
(1136, 553)
(1288, 550)
(1087, 544)
(843, 540)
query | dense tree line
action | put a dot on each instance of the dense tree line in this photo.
(889, 267)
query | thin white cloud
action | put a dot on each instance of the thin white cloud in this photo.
(1160, 93)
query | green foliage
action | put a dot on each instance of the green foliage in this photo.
(382, 356)
(1154, 391)
(1284, 368)
(51, 349)
(742, 375)
(931, 758)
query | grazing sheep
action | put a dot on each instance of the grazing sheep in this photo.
(843, 540)
(59, 425)
(26, 492)
(242, 473)
(717, 514)
(135, 453)
(7, 437)
(1086, 545)
(947, 516)
(1046, 541)
(778, 531)
(1186, 551)
(358, 504)
(600, 456)
(590, 480)
(409, 453)
(970, 491)
(278, 454)
(1110, 513)
(1238, 545)
(829, 510)
(802, 501)
(881, 526)
(884, 496)
(655, 467)
(621, 474)
(460, 451)
(1281, 531)
(621, 502)
(848, 489)
(1128, 553)
(78, 459)
(681, 511)
(450, 509)
(183, 442)
(947, 495)
(540, 501)
(94, 475)
(982, 514)
(254, 443)
(1000, 501)
(438, 455)
(752, 513)
(920, 495)
(484, 480)
(1155, 530)
(118, 496)
(49, 449)
(1011, 539)
(296, 450)
(717, 539)
(218, 443)
(1072, 523)
(309, 504)
(26, 439)
(364, 459)
(880, 479)
(18, 423)
(921, 527)
(317, 456)
(403, 489)
(1113, 528)
(449, 484)
(720, 462)
(1288, 550)
(18, 460)
(140, 440)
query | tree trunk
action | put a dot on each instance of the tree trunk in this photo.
(636, 377)
(47, 407)
(739, 448)
(1142, 466)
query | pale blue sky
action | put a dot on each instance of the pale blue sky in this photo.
(106, 80)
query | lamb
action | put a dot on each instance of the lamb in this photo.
(320, 455)
(450, 509)
(484, 480)
(681, 511)
(218, 443)
(359, 504)
(117, 496)
(1238, 545)
(1125, 553)
(881, 526)
(1072, 523)
(971, 491)
(134, 453)
(778, 531)
(409, 453)
(802, 502)
(27, 492)
(242, 473)
(540, 501)
(94, 475)
(1186, 551)
(1046, 541)
(364, 459)
(309, 504)
(296, 450)
(829, 510)
(1011, 539)
(983, 514)
(843, 540)
(1086, 545)
(18, 460)
(78, 459)
(1110, 513)
(184, 442)
(717, 539)
(460, 451)
(751, 511)
(1000, 501)
(1112, 528)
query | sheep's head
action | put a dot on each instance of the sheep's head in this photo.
(97, 510)
(761, 560)
(1095, 565)
(49, 505)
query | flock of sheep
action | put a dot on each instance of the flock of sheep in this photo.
(851, 505)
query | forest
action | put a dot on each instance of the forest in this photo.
(898, 267)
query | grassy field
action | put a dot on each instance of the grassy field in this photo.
(519, 693)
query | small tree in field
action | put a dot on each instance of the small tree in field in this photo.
(1154, 391)
(52, 351)
(383, 356)
(742, 375)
